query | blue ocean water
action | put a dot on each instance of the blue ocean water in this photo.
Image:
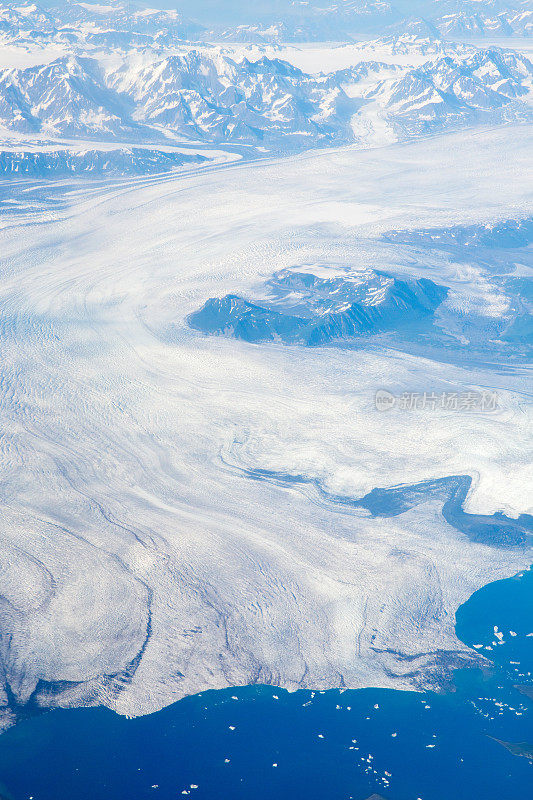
(262, 742)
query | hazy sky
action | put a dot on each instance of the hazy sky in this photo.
(233, 9)
(249, 10)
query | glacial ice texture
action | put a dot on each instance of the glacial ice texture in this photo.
(141, 560)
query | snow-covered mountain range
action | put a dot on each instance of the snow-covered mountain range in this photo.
(302, 307)
(94, 162)
(76, 73)
(484, 86)
(117, 23)
(82, 73)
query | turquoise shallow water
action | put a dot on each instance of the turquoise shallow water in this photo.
(261, 742)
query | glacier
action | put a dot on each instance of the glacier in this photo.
(197, 488)
(144, 562)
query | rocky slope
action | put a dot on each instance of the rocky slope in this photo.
(303, 308)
